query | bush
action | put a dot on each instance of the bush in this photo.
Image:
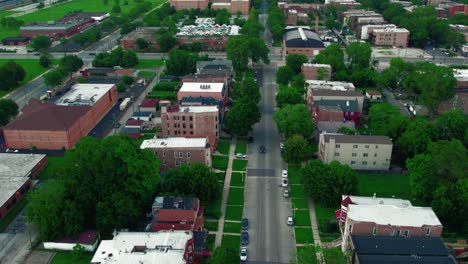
(121, 87)
(127, 79)
(166, 86)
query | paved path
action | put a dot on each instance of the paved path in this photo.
(227, 183)
(315, 231)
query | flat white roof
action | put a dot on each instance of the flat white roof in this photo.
(221, 4)
(199, 109)
(383, 214)
(202, 87)
(161, 248)
(84, 94)
(8, 187)
(461, 74)
(383, 30)
(316, 65)
(320, 84)
(173, 142)
(365, 200)
(18, 165)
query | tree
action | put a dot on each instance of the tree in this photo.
(332, 55)
(295, 61)
(237, 51)
(117, 57)
(258, 50)
(141, 44)
(294, 120)
(322, 74)
(393, 10)
(181, 62)
(359, 54)
(296, 150)
(248, 89)
(242, 116)
(330, 22)
(10, 75)
(385, 119)
(116, 9)
(288, 96)
(127, 79)
(416, 137)
(42, 43)
(8, 110)
(53, 78)
(40, 5)
(251, 28)
(284, 75)
(224, 255)
(121, 87)
(166, 41)
(326, 183)
(71, 63)
(452, 124)
(11, 22)
(45, 61)
(196, 180)
(222, 17)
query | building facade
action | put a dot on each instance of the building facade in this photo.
(175, 151)
(360, 152)
(189, 4)
(313, 71)
(397, 37)
(192, 122)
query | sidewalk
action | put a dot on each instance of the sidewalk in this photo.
(315, 231)
(227, 183)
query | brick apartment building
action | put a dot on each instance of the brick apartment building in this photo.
(191, 121)
(397, 37)
(301, 40)
(342, 3)
(360, 152)
(16, 173)
(314, 71)
(47, 125)
(189, 4)
(366, 30)
(175, 151)
(460, 99)
(216, 91)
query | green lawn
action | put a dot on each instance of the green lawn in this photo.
(236, 196)
(31, 66)
(306, 255)
(146, 74)
(220, 162)
(55, 165)
(384, 185)
(230, 227)
(210, 241)
(239, 165)
(7, 32)
(211, 226)
(4, 13)
(297, 191)
(300, 203)
(231, 242)
(304, 235)
(326, 216)
(302, 218)
(164, 94)
(294, 174)
(241, 147)
(148, 64)
(69, 258)
(237, 179)
(234, 212)
(333, 255)
(223, 146)
(5, 221)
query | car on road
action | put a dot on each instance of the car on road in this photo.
(284, 173)
(37, 54)
(92, 53)
(245, 238)
(241, 156)
(117, 125)
(281, 145)
(286, 194)
(284, 182)
(245, 223)
(290, 221)
(262, 149)
(243, 254)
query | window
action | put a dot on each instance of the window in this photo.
(177, 163)
(392, 232)
(366, 146)
(398, 233)
(164, 162)
(337, 154)
(364, 163)
(337, 146)
(175, 154)
(354, 154)
(188, 155)
(164, 153)
(374, 163)
(375, 154)
(365, 155)
(406, 233)
(191, 125)
(374, 231)
(350, 228)
(428, 231)
(181, 154)
(191, 132)
(183, 118)
(353, 162)
(355, 146)
(376, 146)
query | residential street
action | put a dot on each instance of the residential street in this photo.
(271, 239)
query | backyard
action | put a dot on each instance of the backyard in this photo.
(148, 64)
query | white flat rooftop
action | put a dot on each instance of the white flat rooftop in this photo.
(365, 200)
(383, 214)
(174, 142)
(316, 65)
(460, 74)
(161, 247)
(8, 187)
(320, 84)
(202, 87)
(84, 94)
(18, 165)
(199, 109)
(383, 30)
(221, 4)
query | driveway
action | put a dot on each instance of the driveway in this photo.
(391, 99)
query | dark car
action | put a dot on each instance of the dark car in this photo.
(245, 238)
(245, 223)
(262, 149)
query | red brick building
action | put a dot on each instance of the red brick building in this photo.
(189, 4)
(460, 99)
(458, 9)
(148, 34)
(216, 91)
(47, 125)
(55, 30)
(301, 40)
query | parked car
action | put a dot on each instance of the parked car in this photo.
(281, 145)
(290, 221)
(241, 156)
(245, 223)
(286, 194)
(284, 173)
(245, 238)
(262, 149)
(243, 254)
(92, 53)
(284, 183)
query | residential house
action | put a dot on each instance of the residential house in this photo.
(374, 95)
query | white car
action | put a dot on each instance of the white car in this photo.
(286, 194)
(290, 221)
(284, 182)
(281, 145)
(241, 156)
(243, 254)
(284, 173)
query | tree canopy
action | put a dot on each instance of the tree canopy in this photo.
(241, 49)
(294, 120)
(181, 62)
(242, 116)
(10, 75)
(296, 150)
(8, 110)
(41, 43)
(288, 95)
(117, 57)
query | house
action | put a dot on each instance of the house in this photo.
(328, 94)
(89, 240)
(16, 41)
(312, 71)
(360, 152)
(332, 126)
(145, 116)
(191, 121)
(374, 95)
(132, 132)
(168, 246)
(48, 125)
(327, 85)
(16, 172)
(149, 105)
(335, 110)
(394, 249)
(132, 123)
(367, 30)
(342, 3)
(301, 40)
(457, 9)
(389, 220)
(175, 151)
(216, 91)
(460, 99)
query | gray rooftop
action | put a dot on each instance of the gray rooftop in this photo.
(18, 165)
(8, 187)
(359, 139)
(302, 37)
